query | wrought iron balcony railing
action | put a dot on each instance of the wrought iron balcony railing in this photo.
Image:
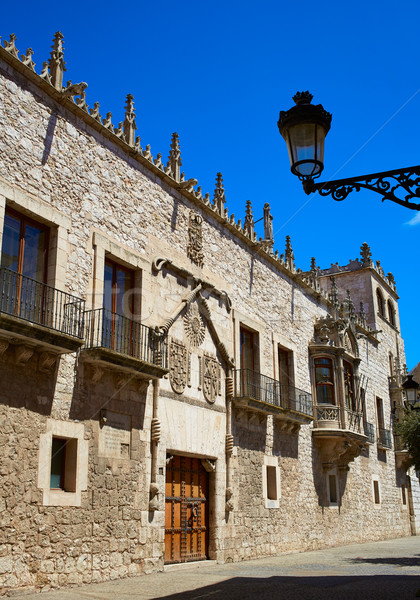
(38, 303)
(253, 385)
(384, 438)
(369, 430)
(105, 329)
(353, 420)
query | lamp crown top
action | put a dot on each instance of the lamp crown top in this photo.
(302, 98)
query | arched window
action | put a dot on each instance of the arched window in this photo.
(324, 379)
(391, 313)
(380, 300)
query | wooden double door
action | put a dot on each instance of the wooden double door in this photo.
(186, 510)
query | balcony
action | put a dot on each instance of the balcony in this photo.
(384, 440)
(116, 342)
(261, 394)
(37, 315)
(402, 456)
(339, 434)
(369, 430)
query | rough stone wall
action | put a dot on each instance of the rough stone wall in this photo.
(48, 153)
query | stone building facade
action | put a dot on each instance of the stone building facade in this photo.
(173, 389)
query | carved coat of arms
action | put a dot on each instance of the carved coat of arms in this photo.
(210, 378)
(195, 239)
(178, 366)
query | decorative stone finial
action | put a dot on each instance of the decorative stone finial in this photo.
(56, 62)
(219, 196)
(27, 59)
(391, 279)
(366, 254)
(130, 121)
(349, 306)
(249, 221)
(10, 46)
(334, 296)
(313, 264)
(45, 74)
(380, 269)
(362, 313)
(268, 224)
(289, 257)
(174, 164)
(107, 122)
(94, 112)
(81, 103)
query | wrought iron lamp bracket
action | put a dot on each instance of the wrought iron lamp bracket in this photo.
(385, 183)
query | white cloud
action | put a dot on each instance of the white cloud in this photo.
(415, 220)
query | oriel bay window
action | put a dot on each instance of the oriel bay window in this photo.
(324, 381)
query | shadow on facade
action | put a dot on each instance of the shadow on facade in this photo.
(286, 445)
(28, 387)
(380, 587)
(320, 474)
(94, 394)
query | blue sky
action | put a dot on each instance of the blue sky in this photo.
(218, 73)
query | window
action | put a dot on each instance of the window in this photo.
(349, 387)
(380, 414)
(324, 379)
(380, 302)
(250, 377)
(119, 331)
(391, 313)
(271, 482)
(63, 464)
(332, 488)
(404, 495)
(24, 268)
(376, 492)
(24, 247)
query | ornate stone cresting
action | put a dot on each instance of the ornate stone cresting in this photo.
(195, 239)
(289, 257)
(27, 59)
(249, 221)
(130, 121)
(10, 46)
(56, 63)
(173, 167)
(194, 326)
(219, 198)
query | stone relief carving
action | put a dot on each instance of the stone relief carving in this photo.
(195, 239)
(210, 371)
(179, 367)
(194, 326)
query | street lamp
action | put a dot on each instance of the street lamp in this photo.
(411, 388)
(304, 128)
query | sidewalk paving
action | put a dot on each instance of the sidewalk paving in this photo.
(374, 571)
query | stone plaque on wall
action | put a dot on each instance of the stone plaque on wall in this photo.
(114, 435)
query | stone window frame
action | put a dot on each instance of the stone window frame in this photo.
(105, 248)
(71, 431)
(280, 341)
(404, 496)
(271, 461)
(239, 319)
(375, 478)
(42, 212)
(328, 474)
(380, 303)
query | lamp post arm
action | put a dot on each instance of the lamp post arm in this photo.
(385, 184)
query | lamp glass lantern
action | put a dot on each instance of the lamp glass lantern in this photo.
(411, 388)
(304, 128)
